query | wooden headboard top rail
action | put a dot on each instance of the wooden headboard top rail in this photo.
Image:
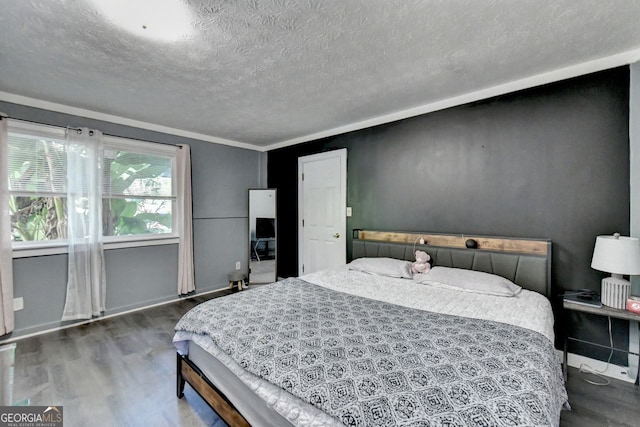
(498, 244)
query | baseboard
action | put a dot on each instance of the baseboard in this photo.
(621, 373)
(45, 328)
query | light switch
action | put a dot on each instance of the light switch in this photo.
(349, 211)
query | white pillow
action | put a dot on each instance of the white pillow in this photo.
(382, 266)
(469, 281)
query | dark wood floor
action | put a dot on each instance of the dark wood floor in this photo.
(617, 404)
(121, 372)
(114, 372)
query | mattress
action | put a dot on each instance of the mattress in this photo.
(264, 403)
(528, 309)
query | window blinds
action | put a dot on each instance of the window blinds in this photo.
(127, 173)
(37, 165)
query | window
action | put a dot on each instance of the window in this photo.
(139, 189)
(37, 185)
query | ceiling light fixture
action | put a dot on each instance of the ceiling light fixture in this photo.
(162, 20)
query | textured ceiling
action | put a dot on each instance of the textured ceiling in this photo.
(265, 72)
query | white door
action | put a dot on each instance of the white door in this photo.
(322, 206)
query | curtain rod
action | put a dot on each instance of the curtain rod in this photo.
(6, 116)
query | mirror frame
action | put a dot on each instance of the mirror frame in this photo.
(275, 226)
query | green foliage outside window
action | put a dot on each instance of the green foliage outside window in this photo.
(137, 191)
(36, 167)
(128, 175)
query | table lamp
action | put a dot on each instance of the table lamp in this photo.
(618, 255)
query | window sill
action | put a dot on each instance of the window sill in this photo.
(57, 249)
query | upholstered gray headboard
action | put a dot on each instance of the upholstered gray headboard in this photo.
(530, 271)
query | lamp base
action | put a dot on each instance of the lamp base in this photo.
(615, 292)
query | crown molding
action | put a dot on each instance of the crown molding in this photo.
(600, 64)
(96, 115)
(583, 68)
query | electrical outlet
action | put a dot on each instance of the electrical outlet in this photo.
(238, 265)
(18, 304)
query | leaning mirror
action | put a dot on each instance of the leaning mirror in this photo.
(262, 235)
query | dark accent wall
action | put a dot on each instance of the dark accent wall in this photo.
(548, 162)
(142, 276)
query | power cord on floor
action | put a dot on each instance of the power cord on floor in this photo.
(586, 369)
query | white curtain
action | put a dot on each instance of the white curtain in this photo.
(186, 281)
(86, 286)
(6, 256)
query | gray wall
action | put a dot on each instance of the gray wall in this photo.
(549, 162)
(137, 277)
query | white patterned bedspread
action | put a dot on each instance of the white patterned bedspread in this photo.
(527, 309)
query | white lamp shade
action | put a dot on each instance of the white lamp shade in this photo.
(617, 255)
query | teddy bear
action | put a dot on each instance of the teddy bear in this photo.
(421, 264)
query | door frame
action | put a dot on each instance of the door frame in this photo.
(342, 155)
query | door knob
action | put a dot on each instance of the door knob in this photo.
(337, 235)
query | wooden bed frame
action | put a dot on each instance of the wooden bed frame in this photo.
(188, 372)
(400, 245)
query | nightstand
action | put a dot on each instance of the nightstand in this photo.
(600, 311)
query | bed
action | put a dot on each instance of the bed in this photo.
(360, 346)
